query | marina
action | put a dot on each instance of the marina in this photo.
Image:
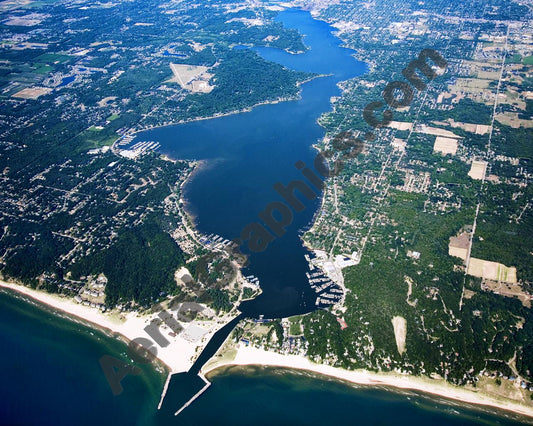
(214, 241)
(328, 287)
(137, 149)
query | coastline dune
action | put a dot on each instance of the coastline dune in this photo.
(247, 355)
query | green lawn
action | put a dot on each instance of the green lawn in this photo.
(295, 327)
(53, 57)
(95, 138)
(43, 69)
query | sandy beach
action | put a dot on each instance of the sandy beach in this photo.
(178, 356)
(248, 355)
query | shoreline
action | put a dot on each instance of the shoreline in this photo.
(177, 357)
(296, 97)
(247, 356)
(131, 327)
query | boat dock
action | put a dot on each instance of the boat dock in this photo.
(320, 279)
(214, 241)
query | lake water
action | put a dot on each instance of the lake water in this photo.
(246, 154)
(50, 370)
(50, 373)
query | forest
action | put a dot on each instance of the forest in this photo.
(139, 266)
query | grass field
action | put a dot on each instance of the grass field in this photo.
(53, 57)
(43, 69)
(95, 137)
(295, 327)
(491, 270)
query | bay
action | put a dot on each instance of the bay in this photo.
(245, 154)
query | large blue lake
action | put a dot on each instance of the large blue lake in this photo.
(246, 154)
(49, 365)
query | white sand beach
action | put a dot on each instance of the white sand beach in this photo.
(178, 356)
(248, 355)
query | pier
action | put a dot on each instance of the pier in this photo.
(190, 401)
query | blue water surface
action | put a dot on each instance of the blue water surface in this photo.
(247, 153)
